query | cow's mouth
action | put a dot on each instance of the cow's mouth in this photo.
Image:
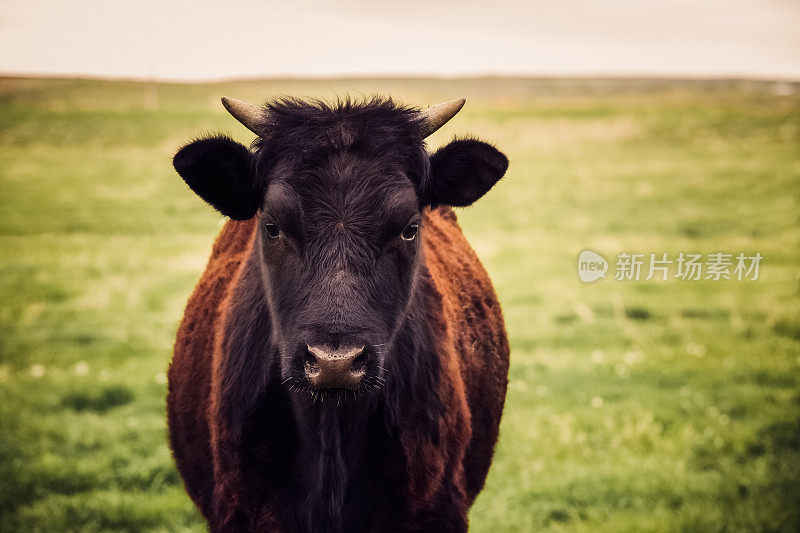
(369, 384)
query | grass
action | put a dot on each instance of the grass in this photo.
(643, 405)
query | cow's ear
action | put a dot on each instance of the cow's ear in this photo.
(463, 171)
(219, 171)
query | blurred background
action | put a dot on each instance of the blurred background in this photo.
(648, 126)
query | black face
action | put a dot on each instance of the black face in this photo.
(339, 248)
(338, 194)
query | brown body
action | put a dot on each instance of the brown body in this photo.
(437, 476)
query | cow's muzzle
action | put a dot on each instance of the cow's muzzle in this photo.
(342, 368)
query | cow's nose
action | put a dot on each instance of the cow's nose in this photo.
(334, 369)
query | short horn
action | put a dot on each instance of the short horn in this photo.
(435, 117)
(251, 116)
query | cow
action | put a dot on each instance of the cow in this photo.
(342, 363)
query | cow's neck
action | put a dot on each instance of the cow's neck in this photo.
(332, 439)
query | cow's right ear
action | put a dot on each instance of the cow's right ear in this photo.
(219, 171)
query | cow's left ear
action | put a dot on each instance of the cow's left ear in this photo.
(463, 171)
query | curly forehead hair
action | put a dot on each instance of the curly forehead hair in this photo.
(303, 132)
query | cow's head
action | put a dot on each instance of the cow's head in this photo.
(338, 192)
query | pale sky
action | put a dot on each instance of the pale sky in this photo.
(204, 40)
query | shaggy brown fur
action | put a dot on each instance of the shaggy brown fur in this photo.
(441, 477)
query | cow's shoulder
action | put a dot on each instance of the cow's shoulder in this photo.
(233, 240)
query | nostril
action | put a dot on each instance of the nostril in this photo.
(359, 362)
(310, 361)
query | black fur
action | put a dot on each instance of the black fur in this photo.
(463, 171)
(218, 170)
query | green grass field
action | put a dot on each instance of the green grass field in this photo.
(645, 405)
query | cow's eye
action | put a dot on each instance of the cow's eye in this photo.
(273, 232)
(410, 232)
